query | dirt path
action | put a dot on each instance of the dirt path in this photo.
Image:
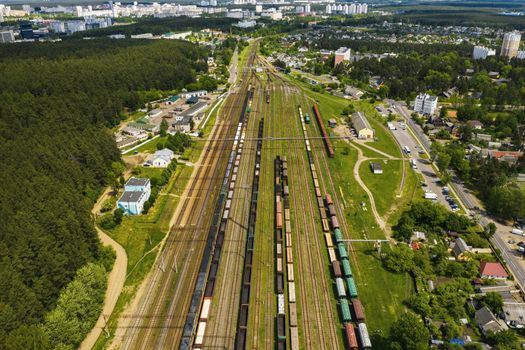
(360, 159)
(116, 280)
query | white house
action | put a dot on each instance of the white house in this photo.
(190, 94)
(426, 104)
(136, 193)
(162, 158)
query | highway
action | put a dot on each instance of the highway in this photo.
(472, 205)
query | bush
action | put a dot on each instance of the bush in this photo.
(108, 204)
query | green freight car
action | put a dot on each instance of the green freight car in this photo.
(352, 289)
(343, 255)
(347, 271)
(345, 310)
(307, 118)
(338, 236)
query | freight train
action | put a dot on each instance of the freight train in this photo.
(324, 134)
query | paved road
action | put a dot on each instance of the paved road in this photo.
(472, 205)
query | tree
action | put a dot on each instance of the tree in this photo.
(27, 337)
(399, 259)
(493, 301)
(117, 215)
(163, 128)
(490, 230)
(504, 340)
(409, 333)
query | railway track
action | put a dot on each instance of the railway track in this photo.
(221, 329)
(168, 290)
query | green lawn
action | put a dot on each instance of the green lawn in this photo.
(151, 146)
(384, 187)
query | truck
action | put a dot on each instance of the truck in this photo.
(413, 163)
(391, 126)
(516, 231)
(430, 195)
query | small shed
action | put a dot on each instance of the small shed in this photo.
(332, 123)
(376, 168)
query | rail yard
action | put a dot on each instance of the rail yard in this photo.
(255, 258)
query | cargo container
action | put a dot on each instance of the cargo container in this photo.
(338, 235)
(226, 214)
(347, 271)
(286, 214)
(294, 338)
(230, 194)
(228, 204)
(328, 239)
(291, 292)
(331, 210)
(326, 227)
(293, 314)
(316, 183)
(288, 226)
(278, 220)
(322, 211)
(279, 283)
(199, 337)
(289, 255)
(345, 310)
(336, 267)
(243, 316)
(205, 310)
(359, 312)
(312, 167)
(286, 191)
(288, 240)
(278, 205)
(317, 192)
(280, 265)
(335, 222)
(341, 249)
(280, 304)
(314, 175)
(279, 249)
(351, 339)
(279, 235)
(289, 269)
(340, 285)
(329, 199)
(363, 335)
(281, 327)
(352, 289)
(281, 344)
(320, 203)
(331, 254)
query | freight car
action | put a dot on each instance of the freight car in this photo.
(324, 134)
(358, 310)
(335, 222)
(340, 286)
(336, 267)
(307, 118)
(352, 289)
(363, 335)
(345, 310)
(351, 339)
(338, 236)
(347, 271)
(343, 255)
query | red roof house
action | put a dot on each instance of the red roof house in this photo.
(492, 270)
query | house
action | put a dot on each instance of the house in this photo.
(510, 157)
(192, 100)
(155, 113)
(190, 94)
(418, 236)
(483, 137)
(362, 127)
(161, 158)
(376, 168)
(332, 123)
(136, 193)
(494, 75)
(491, 270)
(487, 322)
(183, 124)
(172, 100)
(461, 249)
(354, 93)
(514, 314)
(475, 124)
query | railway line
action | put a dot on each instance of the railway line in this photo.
(161, 313)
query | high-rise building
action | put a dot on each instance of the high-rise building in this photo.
(7, 37)
(342, 54)
(511, 44)
(26, 30)
(425, 104)
(482, 52)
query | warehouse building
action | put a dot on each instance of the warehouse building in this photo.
(136, 193)
(362, 127)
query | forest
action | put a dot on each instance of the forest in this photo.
(58, 102)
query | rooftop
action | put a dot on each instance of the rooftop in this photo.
(360, 122)
(492, 269)
(131, 196)
(136, 181)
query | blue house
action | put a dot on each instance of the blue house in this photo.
(136, 193)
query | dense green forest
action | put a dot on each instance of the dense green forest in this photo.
(57, 101)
